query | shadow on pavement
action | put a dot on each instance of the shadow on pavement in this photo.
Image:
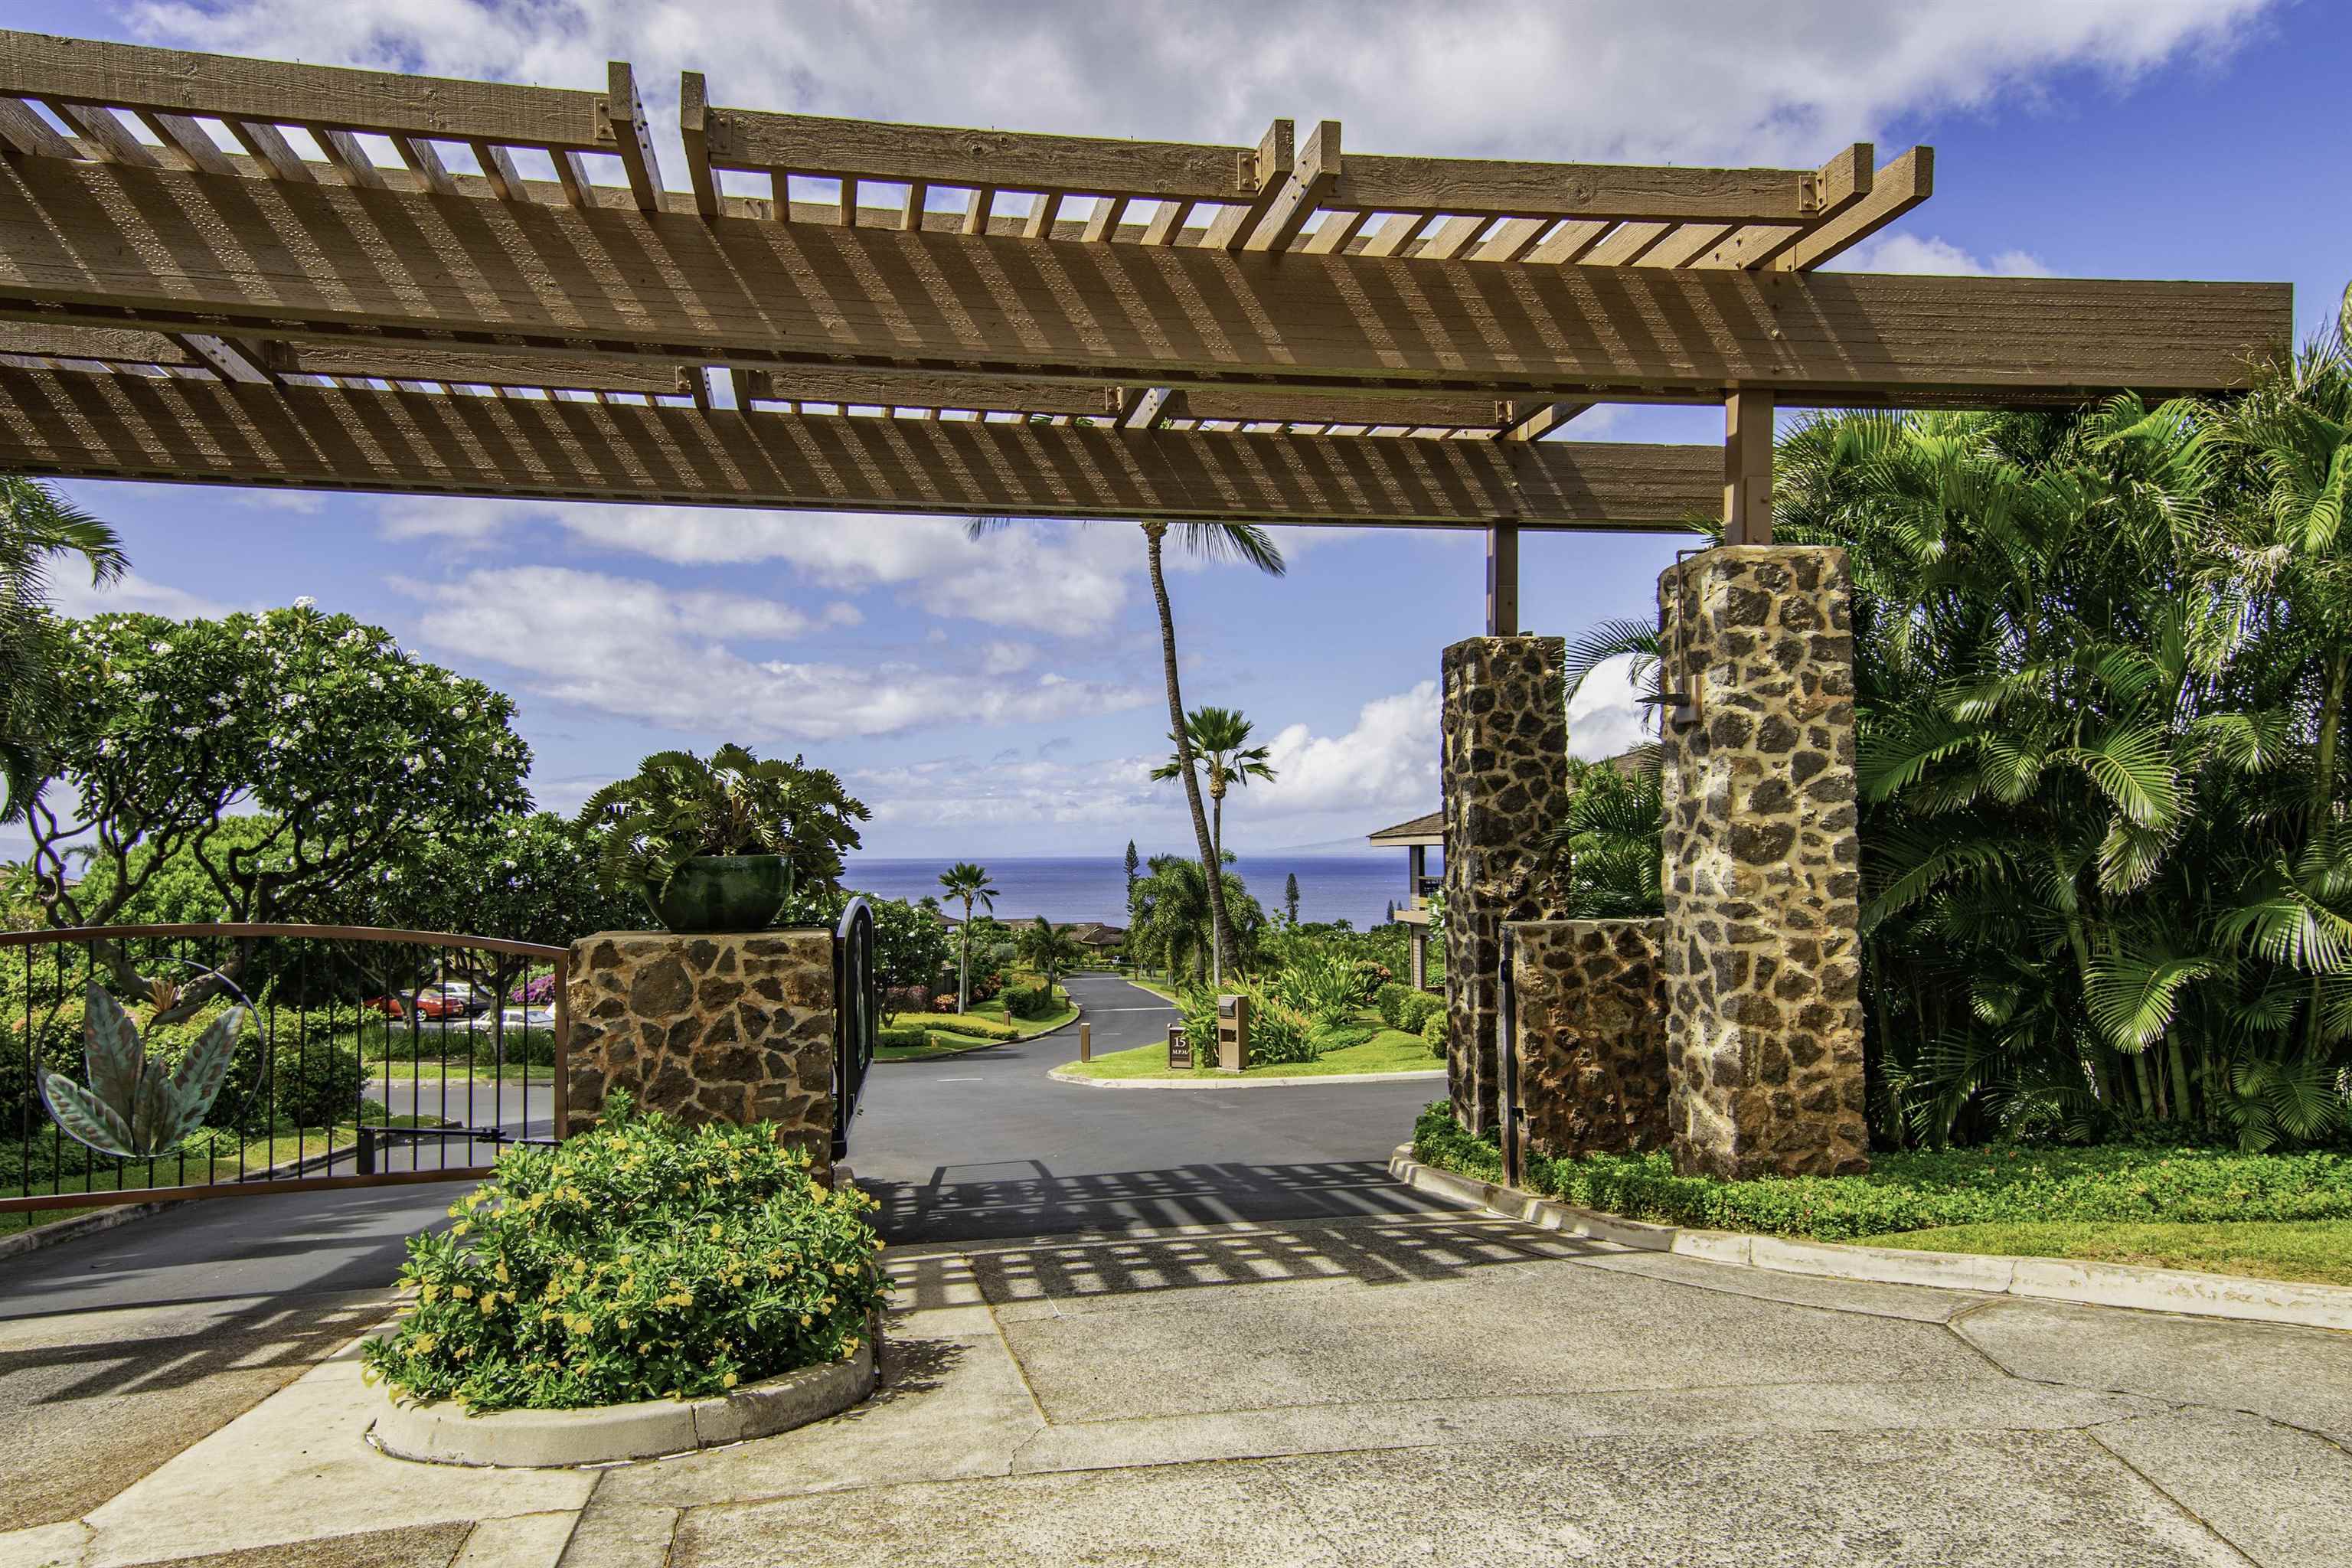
(1023, 1197)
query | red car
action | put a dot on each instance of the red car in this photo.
(430, 1003)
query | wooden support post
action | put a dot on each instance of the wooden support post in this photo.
(1086, 1042)
(1748, 468)
(1502, 579)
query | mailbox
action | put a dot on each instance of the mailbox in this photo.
(1232, 1033)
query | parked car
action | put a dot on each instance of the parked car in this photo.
(453, 999)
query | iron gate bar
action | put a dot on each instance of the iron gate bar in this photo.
(275, 1176)
(853, 1016)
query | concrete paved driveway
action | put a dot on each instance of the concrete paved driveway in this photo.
(1195, 1327)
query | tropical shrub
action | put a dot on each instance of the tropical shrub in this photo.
(1031, 1002)
(953, 1023)
(1415, 1010)
(676, 806)
(1433, 1030)
(902, 1036)
(1280, 1034)
(1389, 1003)
(640, 1261)
(1319, 982)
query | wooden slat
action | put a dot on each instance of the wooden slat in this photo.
(1334, 233)
(693, 127)
(104, 133)
(633, 137)
(1102, 222)
(419, 155)
(499, 168)
(1684, 244)
(232, 88)
(918, 203)
(1627, 245)
(977, 213)
(573, 175)
(1444, 242)
(1512, 239)
(99, 426)
(344, 150)
(268, 144)
(117, 246)
(1043, 210)
(1167, 220)
(1153, 408)
(1568, 243)
(23, 130)
(191, 140)
(1396, 231)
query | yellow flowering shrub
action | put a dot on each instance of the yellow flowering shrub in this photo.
(640, 1261)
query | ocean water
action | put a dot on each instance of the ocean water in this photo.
(1354, 888)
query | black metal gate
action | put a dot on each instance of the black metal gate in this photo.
(357, 1056)
(856, 1010)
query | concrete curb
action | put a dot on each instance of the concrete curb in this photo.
(443, 1434)
(2144, 1290)
(1062, 1075)
(40, 1235)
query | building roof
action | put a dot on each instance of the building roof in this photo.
(1429, 829)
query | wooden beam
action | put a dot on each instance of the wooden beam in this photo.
(268, 144)
(94, 424)
(1748, 468)
(1625, 191)
(694, 130)
(1153, 409)
(1276, 155)
(273, 92)
(633, 137)
(190, 140)
(105, 134)
(418, 154)
(229, 358)
(1856, 202)
(1525, 420)
(1503, 580)
(23, 131)
(117, 246)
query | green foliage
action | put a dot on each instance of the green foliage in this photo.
(37, 528)
(1172, 929)
(353, 752)
(1031, 1002)
(1389, 1003)
(1432, 1029)
(1603, 847)
(640, 1261)
(1319, 982)
(902, 1036)
(969, 882)
(520, 877)
(678, 805)
(1279, 1034)
(1417, 1008)
(972, 1026)
(135, 1104)
(1048, 949)
(1920, 1189)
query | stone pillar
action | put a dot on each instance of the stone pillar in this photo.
(709, 1028)
(1761, 955)
(1503, 757)
(1590, 1002)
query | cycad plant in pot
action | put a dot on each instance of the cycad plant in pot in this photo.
(715, 846)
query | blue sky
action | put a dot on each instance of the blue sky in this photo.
(1003, 697)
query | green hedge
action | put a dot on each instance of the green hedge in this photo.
(1922, 1189)
(1030, 1002)
(969, 1024)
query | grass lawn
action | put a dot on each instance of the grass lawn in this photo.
(2313, 1251)
(455, 1069)
(1390, 1050)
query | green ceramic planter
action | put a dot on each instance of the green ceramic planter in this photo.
(722, 893)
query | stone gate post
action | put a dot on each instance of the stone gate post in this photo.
(1762, 883)
(1502, 750)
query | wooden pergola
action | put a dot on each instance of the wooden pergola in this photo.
(226, 271)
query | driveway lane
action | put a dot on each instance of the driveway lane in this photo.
(986, 1145)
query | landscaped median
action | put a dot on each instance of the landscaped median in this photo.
(643, 1289)
(923, 1036)
(2212, 1231)
(1380, 1053)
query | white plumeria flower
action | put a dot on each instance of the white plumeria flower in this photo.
(306, 603)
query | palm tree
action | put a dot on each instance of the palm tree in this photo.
(969, 882)
(1220, 737)
(1050, 950)
(1172, 921)
(1244, 542)
(37, 527)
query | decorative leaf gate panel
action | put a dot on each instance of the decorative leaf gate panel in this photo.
(141, 1063)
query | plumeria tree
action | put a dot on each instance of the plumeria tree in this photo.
(358, 754)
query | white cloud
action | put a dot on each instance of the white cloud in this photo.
(640, 650)
(1603, 719)
(1069, 579)
(1911, 253)
(1724, 81)
(1388, 762)
(71, 593)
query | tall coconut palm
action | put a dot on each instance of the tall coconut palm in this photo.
(1220, 737)
(1243, 541)
(37, 528)
(969, 882)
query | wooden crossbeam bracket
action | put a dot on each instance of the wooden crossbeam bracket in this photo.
(1313, 177)
(230, 358)
(633, 136)
(1276, 156)
(1153, 409)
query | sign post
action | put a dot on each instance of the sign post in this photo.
(1179, 1049)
